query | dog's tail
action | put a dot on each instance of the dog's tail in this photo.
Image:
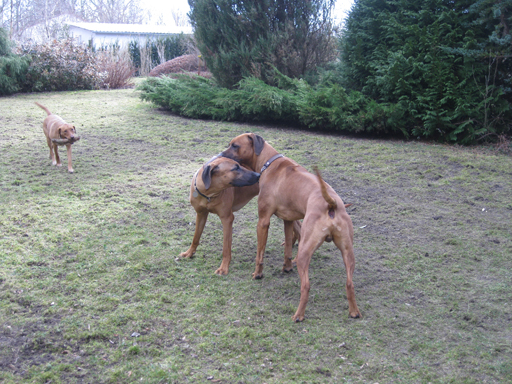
(330, 201)
(43, 107)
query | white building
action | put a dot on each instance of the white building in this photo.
(104, 34)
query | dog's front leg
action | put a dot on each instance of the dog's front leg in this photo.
(201, 218)
(50, 145)
(288, 244)
(227, 229)
(70, 168)
(56, 160)
(262, 232)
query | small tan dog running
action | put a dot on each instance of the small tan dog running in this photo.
(221, 186)
(291, 193)
(58, 132)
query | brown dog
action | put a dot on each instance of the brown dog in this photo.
(291, 193)
(213, 191)
(58, 132)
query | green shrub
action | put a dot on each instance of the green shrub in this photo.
(197, 97)
(332, 107)
(441, 66)
(326, 107)
(13, 68)
(186, 96)
(239, 39)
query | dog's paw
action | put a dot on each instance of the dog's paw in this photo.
(355, 315)
(297, 319)
(187, 254)
(221, 271)
(70, 171)
(257, 276)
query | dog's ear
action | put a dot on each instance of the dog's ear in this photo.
(207, 176)
(258, 143)
(60, 134)
(74, 129)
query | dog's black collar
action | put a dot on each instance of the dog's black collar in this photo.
(270, 161)
(197, 191)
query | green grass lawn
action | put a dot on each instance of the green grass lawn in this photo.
(92, 289)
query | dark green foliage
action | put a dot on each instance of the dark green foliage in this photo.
(332, 107)
(5, 44)
(326, 107)
(198, 97)
(432, 61)
(433, 69)
(240, 39)
(173, 46)
(186, 96)
(12, 67)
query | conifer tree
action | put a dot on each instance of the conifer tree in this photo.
(12, 68)
(431, 60)
(241, 38)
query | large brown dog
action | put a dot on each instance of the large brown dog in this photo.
(213, 191)
(58, 132)
(291, 193)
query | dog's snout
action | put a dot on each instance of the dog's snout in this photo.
(248, 178)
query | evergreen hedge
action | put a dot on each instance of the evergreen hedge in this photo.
(436, 69)
(13, 68)
(442, 64)
(325, 107)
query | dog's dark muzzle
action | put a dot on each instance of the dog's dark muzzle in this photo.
(246, 179)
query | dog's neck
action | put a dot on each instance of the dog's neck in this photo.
(200, 189)
(266, 154)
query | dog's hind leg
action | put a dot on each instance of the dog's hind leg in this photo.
(201, 218)
(344, 244)
(306, 249)
(289, 239)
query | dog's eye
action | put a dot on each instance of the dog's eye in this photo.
(236, 168)
(234, 146)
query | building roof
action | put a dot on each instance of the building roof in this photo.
(131, 29)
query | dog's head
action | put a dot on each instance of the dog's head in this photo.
(244, 149)
(67, 131)
(222, 173)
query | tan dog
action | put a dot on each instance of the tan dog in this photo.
(213, 191)
(58, 132)
(291, 193)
